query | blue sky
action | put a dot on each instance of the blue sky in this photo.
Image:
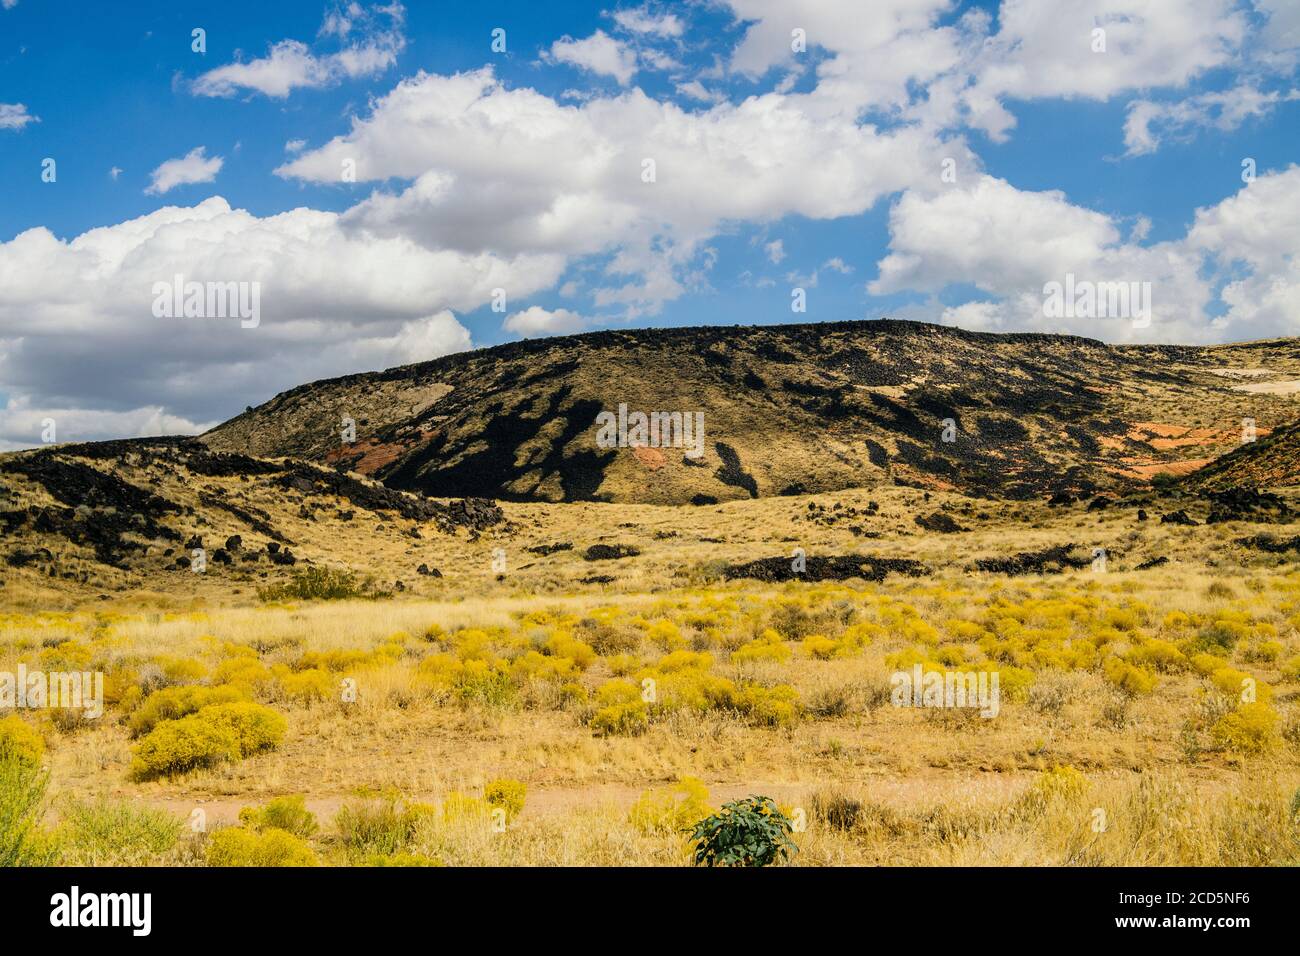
(816, 168)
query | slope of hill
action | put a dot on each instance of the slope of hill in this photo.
(1269, 462)
(786, 409)
(169, 521)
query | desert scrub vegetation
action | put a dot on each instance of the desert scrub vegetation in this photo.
(115, 833)
(748, 832)
(322, 583)
(211, 735)
(241, 846)
(520, 709)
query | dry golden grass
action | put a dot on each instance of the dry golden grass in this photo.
(929, 786)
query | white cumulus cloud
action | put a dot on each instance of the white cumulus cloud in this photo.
(194, 167)
(599, 53)
(535, 322)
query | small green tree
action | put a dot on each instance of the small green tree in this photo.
(748, 832)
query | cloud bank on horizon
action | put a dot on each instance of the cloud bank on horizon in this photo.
(399, 188)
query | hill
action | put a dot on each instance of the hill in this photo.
(785, 410)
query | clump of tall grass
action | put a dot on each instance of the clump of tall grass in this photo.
(115, 833)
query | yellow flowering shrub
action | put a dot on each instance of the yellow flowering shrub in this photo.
(768, 646)
(666, 634)
(623, 664)
(684, 660)
(309, 685)
(671, 809)
(332, 660)
(532, 665)
(171, 703)
(216, 733)
(67, 656)
(238, 846)
(242, 671)
(620, 709)
(573, 693)
(967, 631)
(1157, 655)
(1251, 728)
(1207, 664)
(1130, 679)
(1235, 683)
(289, 814)
(563, 644)
(20, 742)
(1013, 682)
(507, 795)
(818, 646)
(768, 706)
(1264, 652)
(1061, 782)
(180, 670)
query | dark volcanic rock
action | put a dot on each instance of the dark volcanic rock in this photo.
(1179, 517)
(473, 513)
(1048, 561)
(610, 552)
(21, 557)
(101, 530)
(218, 465)
(1246, 504)
(547, 549)
(1153, 563)
(1263, 542)
(939, 522)
(74, 483)
(831, 568)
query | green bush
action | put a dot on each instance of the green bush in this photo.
(215, 734)
(749, 832)
(237, 846)
(289, 814)
(317, 583)
(111, 833)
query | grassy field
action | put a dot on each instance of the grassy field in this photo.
(1146, 717)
